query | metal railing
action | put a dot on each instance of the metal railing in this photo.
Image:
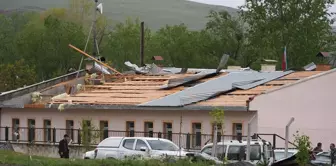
(54, 135)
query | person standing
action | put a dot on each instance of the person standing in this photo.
(318, 148)
(63, 148)
(332, 153)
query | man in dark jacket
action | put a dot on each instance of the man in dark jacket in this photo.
(63, 148)
(332, 153)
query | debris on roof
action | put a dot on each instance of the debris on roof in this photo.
(212, 88)
(157, 58)
(147, 69)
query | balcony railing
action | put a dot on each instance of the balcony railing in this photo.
(54, 135)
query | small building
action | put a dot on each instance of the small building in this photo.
(156, 105)
(309, 101)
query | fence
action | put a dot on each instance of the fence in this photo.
(54, 135)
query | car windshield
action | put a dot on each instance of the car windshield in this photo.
(281, 155)
(235, 151)
(162, 145)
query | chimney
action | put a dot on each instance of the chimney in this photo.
(234, 67)
(323, 67)
(323, 58)
(142, 43)
(268, 65)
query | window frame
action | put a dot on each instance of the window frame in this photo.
(123, 145)
(135, 147)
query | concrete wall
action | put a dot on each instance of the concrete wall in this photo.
(46, 150)
(311, 103)
(117, 119)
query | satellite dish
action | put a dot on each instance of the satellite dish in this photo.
(100, 8)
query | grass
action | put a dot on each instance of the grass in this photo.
(18, 159)
(155, 13)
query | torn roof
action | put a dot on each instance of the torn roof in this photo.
(134, 91)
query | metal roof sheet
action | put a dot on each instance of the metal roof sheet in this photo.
(205, 90)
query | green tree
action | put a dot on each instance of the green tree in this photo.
(16, 75)
(44, 43)
(304, 146)
(228, 33)
(302, 26)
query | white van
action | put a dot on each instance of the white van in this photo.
(231, 150)
(146, 147)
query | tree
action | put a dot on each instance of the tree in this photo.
(16, 75)
(44, 43)
(228, 33)
(218, 121)
(302, 26)
(304, 146)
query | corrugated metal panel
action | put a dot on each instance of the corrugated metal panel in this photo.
(180, 81)
(266, 77)
(205, 90)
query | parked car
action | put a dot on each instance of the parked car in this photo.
(279, 154)
(322, 158)
(89, 155)
(230, 150)
(143, 147)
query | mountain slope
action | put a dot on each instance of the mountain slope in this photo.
(155, 13)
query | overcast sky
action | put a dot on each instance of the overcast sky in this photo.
(236, 3)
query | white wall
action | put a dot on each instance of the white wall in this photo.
(312, 103)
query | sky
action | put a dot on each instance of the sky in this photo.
(236, 3)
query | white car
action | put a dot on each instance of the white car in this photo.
(126, 147)
(279, 154)
(231, 150)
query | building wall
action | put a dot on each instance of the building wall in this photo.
(117, 119)
(311, 103)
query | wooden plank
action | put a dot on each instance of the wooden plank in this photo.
(84, 53)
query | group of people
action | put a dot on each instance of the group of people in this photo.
(319, 149)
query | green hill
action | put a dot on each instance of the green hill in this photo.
(155, 13)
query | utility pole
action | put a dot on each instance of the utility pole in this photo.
(94, 29)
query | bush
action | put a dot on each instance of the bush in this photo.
(18, 159)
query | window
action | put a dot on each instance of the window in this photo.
(162, 145)
(148, 129)
(31, 130)
(237, 130)
(128, 143)
(139, 144)
(130, 129)
(196, 135)
(207, 150)
(168, 131)
(15, 129)
(103, 129)
(69, 125)
(47, 130)
(219, 132)
(221, 150)
(237, 152)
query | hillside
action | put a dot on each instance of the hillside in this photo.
(156, 13)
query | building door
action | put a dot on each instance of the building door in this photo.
(196, 135)
(237, 130)
(47, 130)
(103, 130)
(148, 129)
(219, 132)
(168, 131)
(130, 129)
(69, 127)
(31, 130)
(16, 129)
